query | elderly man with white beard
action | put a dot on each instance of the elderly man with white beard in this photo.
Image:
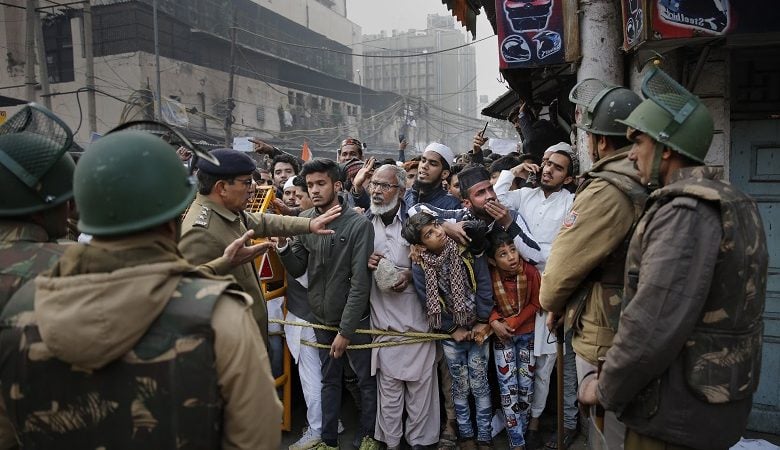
(406, 374)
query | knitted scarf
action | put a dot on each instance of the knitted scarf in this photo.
(458, 300)
(510, 305)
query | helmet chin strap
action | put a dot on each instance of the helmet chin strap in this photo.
(655, 177)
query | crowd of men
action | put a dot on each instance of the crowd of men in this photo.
(647, 270)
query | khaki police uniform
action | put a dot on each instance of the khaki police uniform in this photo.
(208, 228)
(588, 256)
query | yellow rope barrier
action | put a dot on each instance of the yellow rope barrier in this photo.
(414, 337)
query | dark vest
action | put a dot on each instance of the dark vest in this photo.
(21, 261)
(609, 273)
(722, 358)
(162, 394)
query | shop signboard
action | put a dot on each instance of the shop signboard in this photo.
(634, 23)
(535, 33)
(657, 20)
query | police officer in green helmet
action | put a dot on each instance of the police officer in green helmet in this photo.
(687, 355)
(582, 286)
(132, 344)
(36, 176)
(601, 106)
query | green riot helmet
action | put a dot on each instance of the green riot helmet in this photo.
(130, 181)
(673, 117)
(36, 171)
(601, 104)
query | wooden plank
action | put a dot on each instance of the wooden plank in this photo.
(571, 30)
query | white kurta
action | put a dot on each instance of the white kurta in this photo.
(398, 311)
(405, 374)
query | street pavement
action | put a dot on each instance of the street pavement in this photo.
(350, 420)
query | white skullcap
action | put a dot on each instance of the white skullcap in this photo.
(557, 147)
(288, 183)
(443, 151)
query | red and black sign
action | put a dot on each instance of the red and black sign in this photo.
(530, 33)
(673, 19)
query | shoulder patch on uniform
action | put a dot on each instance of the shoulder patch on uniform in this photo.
(570, 218)
(203, 217)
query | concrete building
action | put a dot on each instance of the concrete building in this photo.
(440, 87)
(286, 88)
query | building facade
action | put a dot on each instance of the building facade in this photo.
(286, 88)
(439, 86)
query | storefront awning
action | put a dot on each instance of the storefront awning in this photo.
(465, 11)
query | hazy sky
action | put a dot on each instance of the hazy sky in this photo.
(377, 15)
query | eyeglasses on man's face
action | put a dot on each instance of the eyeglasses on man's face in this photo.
(381, 187)
(246, 182)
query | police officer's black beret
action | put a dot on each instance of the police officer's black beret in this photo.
(231, 162)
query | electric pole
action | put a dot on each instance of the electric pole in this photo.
(360, 113)
(230, 103)
(42, 66)
(157, 59)
(29, 63)
(600, 22)
(89, 72)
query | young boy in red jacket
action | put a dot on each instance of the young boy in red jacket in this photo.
(516, 301)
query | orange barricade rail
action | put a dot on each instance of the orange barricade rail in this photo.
(273, 284)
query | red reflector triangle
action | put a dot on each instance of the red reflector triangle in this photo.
(266, 271)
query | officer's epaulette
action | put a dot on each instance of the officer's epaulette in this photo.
(203, 217)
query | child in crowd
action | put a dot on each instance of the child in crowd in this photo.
(516, 295)
(454, 287)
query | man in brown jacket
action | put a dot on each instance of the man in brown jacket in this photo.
(584, 272)
(124, 343)
(687, 354)
(216, 218)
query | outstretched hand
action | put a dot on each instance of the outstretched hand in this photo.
(239, 253)
(318, 224)
(261, 147)
(364, 174)
(479, 141)
(525, 169)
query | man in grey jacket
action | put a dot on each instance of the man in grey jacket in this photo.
(339, 287)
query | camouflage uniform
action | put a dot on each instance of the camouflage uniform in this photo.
(126, 345)
(25, 251)
(686, 358)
